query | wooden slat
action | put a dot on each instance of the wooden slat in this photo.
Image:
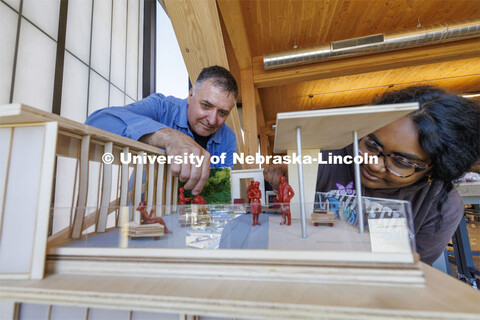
(233, 121)
(106, 191)
(150, 185)
(44, 200)
(383, 61)
(249, 113)
(160, 190)
(168, 191)
(124, 183)
(264, 143)
(175, 194)
(259, 110)
(138, 188)
(82, 189)
(232, 59)
(262, 133)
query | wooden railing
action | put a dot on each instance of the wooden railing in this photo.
(51, 165)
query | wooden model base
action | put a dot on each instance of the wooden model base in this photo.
(135, 230)
(443, 297)
(323, 217)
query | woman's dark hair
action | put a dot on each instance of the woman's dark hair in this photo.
(448, 127)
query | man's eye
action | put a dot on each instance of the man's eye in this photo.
(223, 113)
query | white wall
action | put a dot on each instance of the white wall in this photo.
(102, 66)
(103, 54)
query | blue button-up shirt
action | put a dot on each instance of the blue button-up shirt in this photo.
(157, 112)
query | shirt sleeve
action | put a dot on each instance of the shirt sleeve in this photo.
(433, 237)
(134, 120)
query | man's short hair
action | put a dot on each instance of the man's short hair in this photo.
(221, 78)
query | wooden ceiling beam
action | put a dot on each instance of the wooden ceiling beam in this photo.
(253, 119)
(262, 131)
(231, 12)
(376, 62)
(258, 107)
(249, 113)
(199, 35)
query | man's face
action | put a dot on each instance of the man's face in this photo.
(208, 107)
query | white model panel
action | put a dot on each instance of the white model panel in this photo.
(21, 200)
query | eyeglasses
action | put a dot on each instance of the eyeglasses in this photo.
(397, 165)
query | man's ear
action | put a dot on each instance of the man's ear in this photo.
(190, 95)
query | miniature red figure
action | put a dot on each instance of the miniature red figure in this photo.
(249, 189)
(285, 194)
(147, 218)
(198, 199)
(182, 201)
(181, 197)
(255, 195)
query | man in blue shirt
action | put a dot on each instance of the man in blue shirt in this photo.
(193, 126)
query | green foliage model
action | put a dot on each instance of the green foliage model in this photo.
(217, 189)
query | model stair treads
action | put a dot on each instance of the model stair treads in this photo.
(144, 230)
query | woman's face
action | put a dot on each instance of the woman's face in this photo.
(401, 138)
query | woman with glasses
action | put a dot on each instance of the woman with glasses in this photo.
(419, 156)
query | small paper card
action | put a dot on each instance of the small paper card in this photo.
(389, 235)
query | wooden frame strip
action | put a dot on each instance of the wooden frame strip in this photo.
(138, 187)
(44, 200)
(150, 185)
(106, 190)
(82, 190)
(168, 191)
(175, 194)
(124, 183)
(160, 183)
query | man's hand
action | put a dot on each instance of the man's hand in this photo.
(178, 143)
(273, 173)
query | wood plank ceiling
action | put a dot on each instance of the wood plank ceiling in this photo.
(252, 28)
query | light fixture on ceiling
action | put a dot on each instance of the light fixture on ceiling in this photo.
(382, 42)
(471, 95)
